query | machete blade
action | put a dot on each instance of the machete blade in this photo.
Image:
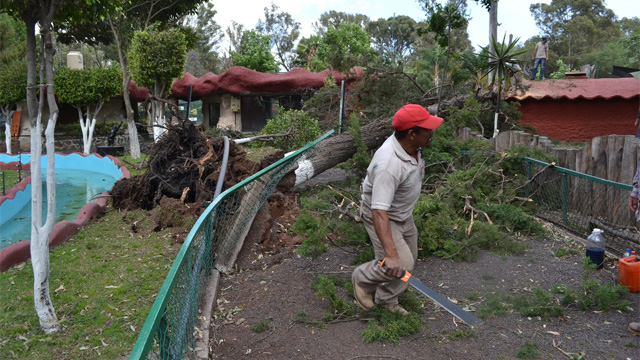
(454, 309)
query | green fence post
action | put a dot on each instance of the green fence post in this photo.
(526, 189)
(565, 192)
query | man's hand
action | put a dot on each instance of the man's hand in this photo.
(633, 203)
(636, 124)
(393, 266)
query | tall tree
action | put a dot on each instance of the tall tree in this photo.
(333, 19)
(283, 32)
(344, 47)
(204, 57)
(393, 38)
(575, 27)
(253, 53)
(13, 69)
(86, 90)
(40, 12)
(157, 58)
(443, 20)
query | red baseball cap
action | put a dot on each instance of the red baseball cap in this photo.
(414, 115)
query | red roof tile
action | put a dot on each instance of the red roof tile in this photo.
(626, 88)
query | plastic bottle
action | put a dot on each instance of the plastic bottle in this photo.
(595, 248)
(627, 253)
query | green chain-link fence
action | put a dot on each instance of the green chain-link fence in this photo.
(169, 331)
(581, 202)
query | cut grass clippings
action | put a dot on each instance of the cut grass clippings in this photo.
(103, 282)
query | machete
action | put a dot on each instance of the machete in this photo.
(454, 309)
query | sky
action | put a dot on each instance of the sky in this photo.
(514, 16)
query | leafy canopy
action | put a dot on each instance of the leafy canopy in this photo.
(87, 87)
(254, 53)
(157, 57)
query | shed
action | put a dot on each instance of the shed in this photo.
(580, 109)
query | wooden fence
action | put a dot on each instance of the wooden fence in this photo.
(582, 203)
(611, 157)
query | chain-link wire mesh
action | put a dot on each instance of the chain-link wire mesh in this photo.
(170, 331)
(581, 202)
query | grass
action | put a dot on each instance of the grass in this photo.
(528, 351)
(135, 166)
(261, 326)
(103, 282)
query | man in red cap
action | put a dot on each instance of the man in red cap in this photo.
(389, 193)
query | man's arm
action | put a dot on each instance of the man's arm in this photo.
(383, 230)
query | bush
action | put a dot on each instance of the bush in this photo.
(300, 127)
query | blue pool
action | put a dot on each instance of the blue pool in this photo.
(79, 180)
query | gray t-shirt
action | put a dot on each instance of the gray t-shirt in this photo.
(393, 181)
(541, 50)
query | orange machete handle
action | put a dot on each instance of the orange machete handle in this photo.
(405, 277)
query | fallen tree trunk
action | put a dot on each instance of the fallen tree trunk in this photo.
(338, 149)
(341, 148)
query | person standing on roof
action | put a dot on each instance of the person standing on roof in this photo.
(389, 193)
(540, 57)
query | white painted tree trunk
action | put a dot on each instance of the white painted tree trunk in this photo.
(158, 120)
(40, 233)
(7, 126)
(7, 135)
(88, 126)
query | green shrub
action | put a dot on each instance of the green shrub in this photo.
(326, 289)
(528, 351)
(300, 127)
(391, 326)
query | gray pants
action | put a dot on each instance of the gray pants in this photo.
(371, 277)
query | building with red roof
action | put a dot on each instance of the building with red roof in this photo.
(580, 109)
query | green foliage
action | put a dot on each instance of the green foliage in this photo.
(444, 19)
(575, 28)
(493, 306)
(388, 326)
(528, 351)
(467, 115)
(74, 130)
(261, 326)
(361, 159)
(283, 31)
(313, 244)
(344, 47)
(594, 295)
(513, 217)
(562, 69)
(393, 37)
(325, 287)
(460, 334)
(540, 303)
(87, 87)
(13, 62)
(156, 58)
(300, 127)
(254, 53)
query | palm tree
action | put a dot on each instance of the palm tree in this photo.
(497, 65)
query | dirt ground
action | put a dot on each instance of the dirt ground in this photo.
(272, 283)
